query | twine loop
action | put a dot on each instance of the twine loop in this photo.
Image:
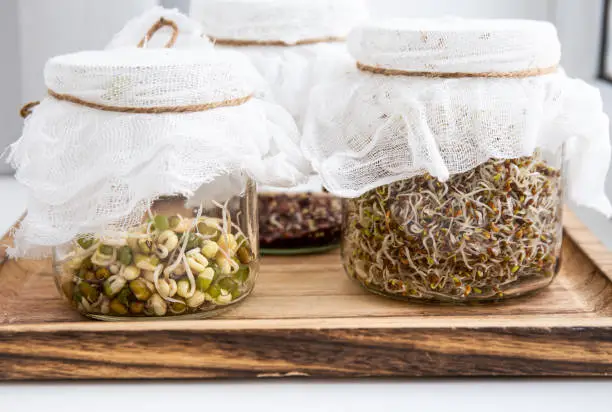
(457, 75)
(27, 109)
(156, 27)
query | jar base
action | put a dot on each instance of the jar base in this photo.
(508, 295)
(188, 316)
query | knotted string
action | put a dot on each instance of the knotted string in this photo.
(457, 75)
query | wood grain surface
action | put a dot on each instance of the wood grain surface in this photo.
(307, 319)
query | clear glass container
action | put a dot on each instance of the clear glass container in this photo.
(491, 233)
(302, 220)
(181, 262)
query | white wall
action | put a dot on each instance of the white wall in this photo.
(182, 5)
(527, 9)
(10, 68)
(580, 28)
(579, 24)
(530, 9)
(32, 31)
(52, 27)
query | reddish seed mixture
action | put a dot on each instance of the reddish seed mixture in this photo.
(299, 220)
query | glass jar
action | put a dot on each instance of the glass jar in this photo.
(294, 46)
(181, 261)
(302, 220)
(490, 233)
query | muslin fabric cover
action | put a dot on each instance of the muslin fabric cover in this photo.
(93, 171)
(364, 129)
(191, 36)
(289, 71)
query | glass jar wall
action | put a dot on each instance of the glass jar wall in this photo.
(490, 233)
(180, 262)
(305, 219)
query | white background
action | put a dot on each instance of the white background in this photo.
(439, 395)
(34, 30)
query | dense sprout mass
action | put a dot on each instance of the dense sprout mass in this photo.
(491, 232)
(167, 266)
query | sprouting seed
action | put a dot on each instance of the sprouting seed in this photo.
(470, 231)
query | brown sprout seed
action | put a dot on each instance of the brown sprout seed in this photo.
(494, 227)
(127, 281)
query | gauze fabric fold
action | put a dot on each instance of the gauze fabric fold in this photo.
(364, 130)
(89, 170)
(289, 69)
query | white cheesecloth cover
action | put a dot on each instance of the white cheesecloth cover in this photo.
(191, 36)
(291, 69)
(92, 171)
(365, 129)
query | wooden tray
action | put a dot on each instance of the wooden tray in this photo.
(306, 318)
